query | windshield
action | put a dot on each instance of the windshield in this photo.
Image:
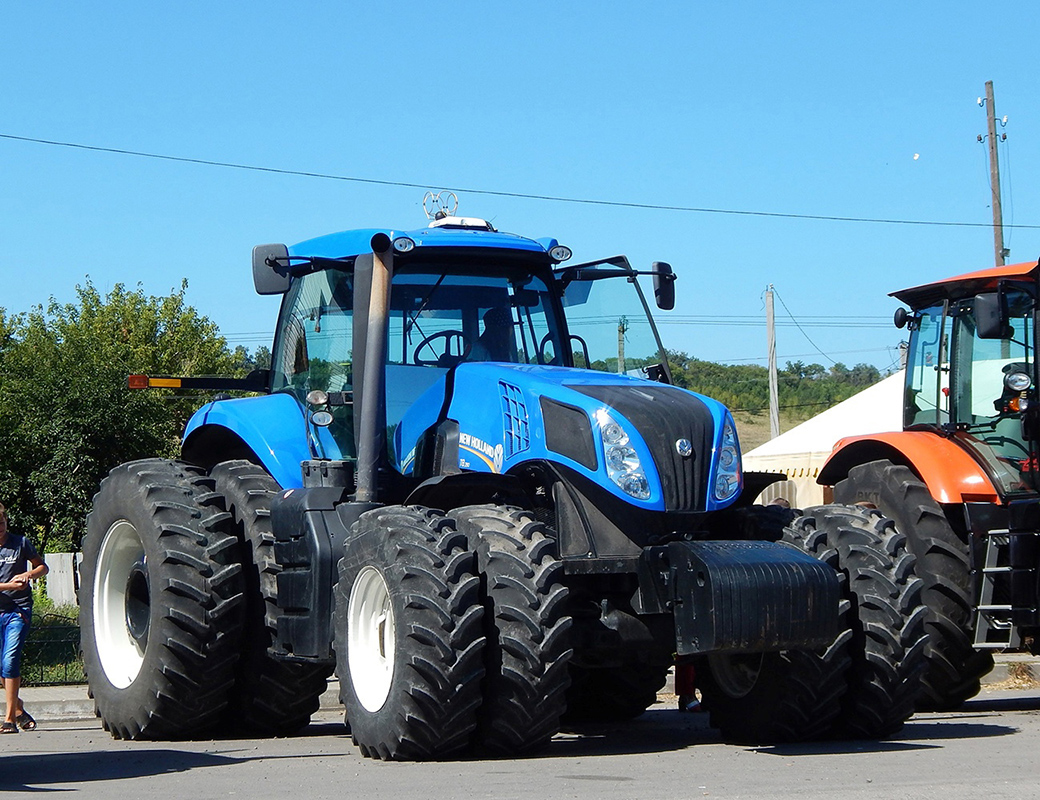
(441, 316)
(989, 414)
(610, 327)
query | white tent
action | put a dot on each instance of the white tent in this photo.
(801, 452)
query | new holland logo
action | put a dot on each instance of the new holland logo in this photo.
(684, 447)
(489, 454)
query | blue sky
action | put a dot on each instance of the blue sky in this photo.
(812, 108)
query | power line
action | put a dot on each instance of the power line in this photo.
(495, 193)
(789, 356)
(866, 322)
(784, 408)
(810, 341)
(743, 321)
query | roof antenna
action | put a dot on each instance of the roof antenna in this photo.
(439, 205)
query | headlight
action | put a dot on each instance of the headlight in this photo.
(560, 253)
(622, 461)
(728, 470)
(1017, 381)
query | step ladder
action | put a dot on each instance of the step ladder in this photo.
(994, 626)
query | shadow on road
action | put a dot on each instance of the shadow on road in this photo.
(39, 770)
(931, 729)
(917, 734)
(1011, 702)
(659, 730)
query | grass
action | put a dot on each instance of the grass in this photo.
(753, 429)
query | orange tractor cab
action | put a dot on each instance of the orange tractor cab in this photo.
(961, 480)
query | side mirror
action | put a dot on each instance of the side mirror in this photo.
(271, 269)
(664, 285)
(990, 319)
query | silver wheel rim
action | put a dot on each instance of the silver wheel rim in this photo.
(371, 637)
(120, 557)
(736, 675)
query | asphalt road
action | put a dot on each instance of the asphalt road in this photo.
(988, 749)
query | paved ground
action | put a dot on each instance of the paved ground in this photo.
(985, 750)
(72, 703)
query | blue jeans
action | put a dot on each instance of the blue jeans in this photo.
(13, 630)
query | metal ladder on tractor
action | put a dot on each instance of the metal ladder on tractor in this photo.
(996, 613)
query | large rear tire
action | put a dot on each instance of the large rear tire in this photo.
(955, 667)
(161, 603)
(526, 624)
(885, 615)
(409, 635)
(270, 696)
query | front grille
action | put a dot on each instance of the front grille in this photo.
(663, 415)
(515, 423)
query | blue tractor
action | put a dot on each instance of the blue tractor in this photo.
(431, 493)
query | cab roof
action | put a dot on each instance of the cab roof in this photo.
(965, 285)
(346, 244)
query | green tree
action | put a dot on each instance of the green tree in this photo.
(66, 414)
(804, 389)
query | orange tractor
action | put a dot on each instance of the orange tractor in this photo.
(961, 480)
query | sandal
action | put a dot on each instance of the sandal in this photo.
(8, 727)
(26, 722)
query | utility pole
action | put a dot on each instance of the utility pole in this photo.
(774, 405)
(622, 326)
(994, 178)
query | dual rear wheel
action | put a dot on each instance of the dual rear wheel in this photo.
(179, 587)
(451, 633)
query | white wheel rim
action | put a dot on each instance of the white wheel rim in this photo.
(371, 637)
(120, 654)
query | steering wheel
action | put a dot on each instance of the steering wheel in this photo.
(446, 358)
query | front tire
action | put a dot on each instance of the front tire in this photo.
(271, 696)
(161, 609)
(409, 637)
(527, 627)
(955, 667)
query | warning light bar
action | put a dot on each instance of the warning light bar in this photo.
(144, 382)
(254, 382)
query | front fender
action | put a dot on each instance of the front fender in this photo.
(951, 475)
(272, 426)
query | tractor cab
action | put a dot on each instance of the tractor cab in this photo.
(972, 369)
(461, 297)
